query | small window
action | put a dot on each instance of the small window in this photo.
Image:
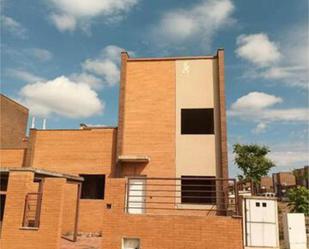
(257, 204)
(93, 187)
(198, 189)
(197, 121)
(264, 204)
(130, 243)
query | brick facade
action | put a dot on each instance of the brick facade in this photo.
(14, 118)
(166, 231)
(12, 157)
(84, 151)
(13, 236)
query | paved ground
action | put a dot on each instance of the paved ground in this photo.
(82, 243)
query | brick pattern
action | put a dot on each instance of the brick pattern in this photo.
(166, 231)
(74, 151)
(149, 116)
(266, 184)
(13, 123)
(48, 234)
(12, 157)
(222, 116)
(89, 151)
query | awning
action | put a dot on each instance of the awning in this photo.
(133, 158)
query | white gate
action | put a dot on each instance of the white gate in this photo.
(136, 196)
(260, 222)
(295, 231)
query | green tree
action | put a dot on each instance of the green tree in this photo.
(299, 199)
(252, 161)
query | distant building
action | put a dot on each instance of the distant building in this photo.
(302, 176)
(266, 184)
(282, 181)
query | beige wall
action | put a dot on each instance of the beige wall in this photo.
(195, 81)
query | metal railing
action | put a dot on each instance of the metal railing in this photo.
(32, 210)
(186, 195)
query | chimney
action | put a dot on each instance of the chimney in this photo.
(33, 122)
(44, 124)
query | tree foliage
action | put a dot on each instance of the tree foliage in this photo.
(252, 161)
(299, 199)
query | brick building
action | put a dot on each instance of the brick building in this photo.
(158, 180)
(302, 176)
(266, 184)
(282, 181)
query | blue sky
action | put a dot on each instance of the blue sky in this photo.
(61, 59)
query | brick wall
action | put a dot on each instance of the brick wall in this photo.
(166, 231)
(149, 116)
(266, 184)
(86, 151)
(12, 157)
(48, 234)
(13, 123)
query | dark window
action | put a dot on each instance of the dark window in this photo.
(93, 187)
(264, 204)
(257, 204)
(197, 121)
(198, 189)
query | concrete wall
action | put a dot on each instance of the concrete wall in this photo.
(166, 231)
(13, 123)
(195, 80)
(13, 236)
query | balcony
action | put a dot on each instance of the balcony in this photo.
(184, 196)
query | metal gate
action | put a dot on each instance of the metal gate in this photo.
(260, 222)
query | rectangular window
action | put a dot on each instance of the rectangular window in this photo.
(131, 243)
(93, 187)
(198, 189)
(197, 121)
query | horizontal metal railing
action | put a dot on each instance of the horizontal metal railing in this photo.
(145, 195)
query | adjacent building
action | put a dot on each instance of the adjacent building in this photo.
(282, 181)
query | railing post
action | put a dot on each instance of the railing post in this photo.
(127, 198)
(236, 197)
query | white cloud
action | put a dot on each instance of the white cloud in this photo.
(63, 22)
(257, 107)
(257, 49)
(40, 54)
(68, 14)
(23, 75)
(89, 79)
(260, 128)
(61, 96)
(291, 155)
(200, 22)
(255, 100)
(13, 27)
(289, 65)
(106, 65)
